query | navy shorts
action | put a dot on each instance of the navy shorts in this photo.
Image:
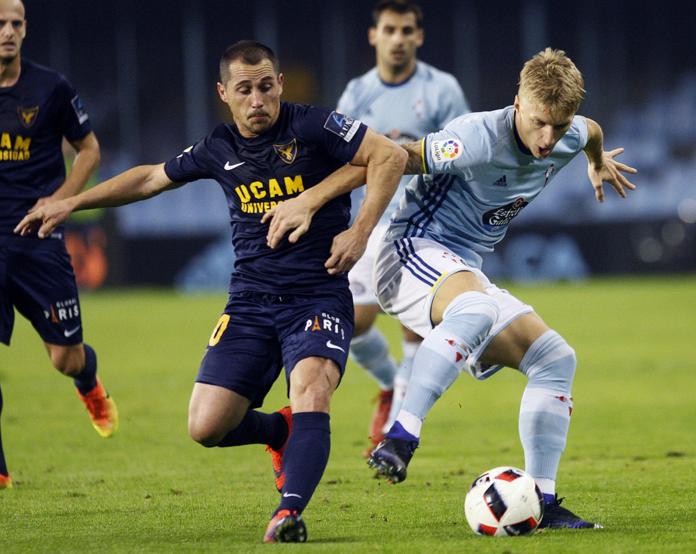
(259, 334)
(36, 277)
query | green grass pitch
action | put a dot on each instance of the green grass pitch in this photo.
(629, 462)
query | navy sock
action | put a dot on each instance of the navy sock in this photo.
(3, 464)
(258, 428)
(305, 458)
(397, 431)
(86, 380)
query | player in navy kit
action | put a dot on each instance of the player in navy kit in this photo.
(287, 306)
(38, 107)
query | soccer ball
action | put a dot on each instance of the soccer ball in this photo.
(504, 501)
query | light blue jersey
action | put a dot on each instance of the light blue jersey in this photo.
(424, 103)
(479, 178)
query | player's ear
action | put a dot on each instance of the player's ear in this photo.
(281, 80)
(372, 36)
(420, 37)
(222, 93)
(516, 103)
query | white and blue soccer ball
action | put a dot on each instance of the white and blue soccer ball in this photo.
(504, 501)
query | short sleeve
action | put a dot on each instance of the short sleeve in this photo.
(338, 135)
(347, 102)
(71, 113)
(453, 102)
(461, 144)
(580, 124)
(192, 164)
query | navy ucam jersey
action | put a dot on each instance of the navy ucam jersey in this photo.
(304, 146)
(35, 114)
(478, 178)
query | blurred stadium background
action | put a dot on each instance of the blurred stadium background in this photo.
(147, 70)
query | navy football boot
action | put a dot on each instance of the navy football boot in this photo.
(558, 517)
(391, 458)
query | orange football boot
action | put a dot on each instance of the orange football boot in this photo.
(102, 410)
(277, 455)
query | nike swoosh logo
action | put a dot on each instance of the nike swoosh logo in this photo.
(330, 344)
(71, 332)
(289, 494)
(229, 167)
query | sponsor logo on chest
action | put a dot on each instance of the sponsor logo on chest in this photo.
(504, 214)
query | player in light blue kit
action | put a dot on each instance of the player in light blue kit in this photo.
(403, 98)
(477, 174)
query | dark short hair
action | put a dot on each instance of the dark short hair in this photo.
(397, 6)
(248, 51)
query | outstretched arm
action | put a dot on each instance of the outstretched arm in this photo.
(136, 184)
(602, 167)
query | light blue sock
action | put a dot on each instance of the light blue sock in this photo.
(371, 351)
(546, 406)
(403, 374)
(442, 355)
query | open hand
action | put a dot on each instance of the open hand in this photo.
(612, 173)
(44, 216)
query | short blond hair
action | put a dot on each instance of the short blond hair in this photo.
(552, 79)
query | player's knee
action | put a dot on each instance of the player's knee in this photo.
(550, 363)
(310, 391)
(361, 327)
(471, 314)
(311, 397)
(68, 360)
(364, 319)
(203, 433)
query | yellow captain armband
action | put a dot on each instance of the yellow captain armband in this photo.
(219, 329)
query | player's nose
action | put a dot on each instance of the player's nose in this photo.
(547, 137)
(256, 99)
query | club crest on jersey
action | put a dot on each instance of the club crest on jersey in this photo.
(549, 173)
(445, 150)
(503, 215)
(28, 115)
(287, 152)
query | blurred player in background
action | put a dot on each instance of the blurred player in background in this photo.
(38, 107)
(475, 176)
(287, 306)
(404, 99)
